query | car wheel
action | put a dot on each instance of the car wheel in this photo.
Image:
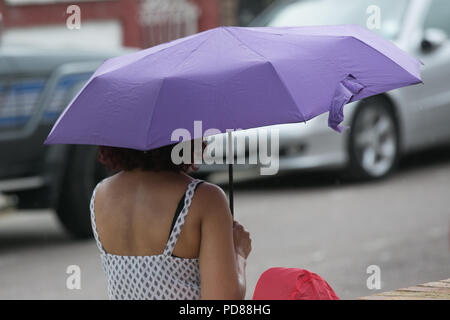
(82, 174)
(374, 144)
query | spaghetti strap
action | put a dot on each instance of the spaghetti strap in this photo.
(93, 224)
(175, 232)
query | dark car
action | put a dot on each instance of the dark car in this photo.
(35, 87)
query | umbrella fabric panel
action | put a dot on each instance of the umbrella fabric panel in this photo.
(370, 38)
(116, 104)
(121, 123)
(312, 65)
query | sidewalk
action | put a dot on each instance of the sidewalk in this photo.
(438, 290)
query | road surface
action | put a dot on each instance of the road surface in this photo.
(314, 221)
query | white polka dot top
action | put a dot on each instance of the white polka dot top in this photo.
(155, 277)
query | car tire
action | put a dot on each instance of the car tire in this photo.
(374, 140)
(82, 174)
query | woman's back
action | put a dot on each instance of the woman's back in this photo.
(135, 267)
(134, 212)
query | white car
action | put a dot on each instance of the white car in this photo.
(384, 127)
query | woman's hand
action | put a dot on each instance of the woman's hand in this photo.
(242, 240)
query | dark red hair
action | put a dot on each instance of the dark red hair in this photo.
(160, 159)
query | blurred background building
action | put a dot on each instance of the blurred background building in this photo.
(105, 23)
(110, 24)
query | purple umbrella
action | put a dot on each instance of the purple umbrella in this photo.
(232, 78)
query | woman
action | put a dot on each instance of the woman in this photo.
(163, 234)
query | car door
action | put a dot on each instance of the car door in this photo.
(434, 96)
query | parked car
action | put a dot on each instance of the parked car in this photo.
(384, 127)
(35, 86)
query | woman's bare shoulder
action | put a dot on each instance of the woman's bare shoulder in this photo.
(102, 185)
(211, 194)
(212, 200)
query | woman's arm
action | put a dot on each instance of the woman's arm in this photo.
(222, 268)
(241, 264)
(242, 248)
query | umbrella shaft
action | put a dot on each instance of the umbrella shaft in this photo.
(230, 186)
(230, 157)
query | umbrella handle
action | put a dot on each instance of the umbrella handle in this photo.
(230, 158)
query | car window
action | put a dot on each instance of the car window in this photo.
(332, 12)
(439, 16)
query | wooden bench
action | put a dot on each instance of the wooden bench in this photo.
(438, 290)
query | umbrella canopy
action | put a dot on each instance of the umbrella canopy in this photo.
(232, 78)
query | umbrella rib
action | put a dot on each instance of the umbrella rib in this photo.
(168, 46)
(246, 45)
(387, 56)
(153, 111)
(162, 84)
(288, 92)
(273, 68)
(191, 53)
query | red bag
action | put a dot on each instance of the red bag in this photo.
(292, 284)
